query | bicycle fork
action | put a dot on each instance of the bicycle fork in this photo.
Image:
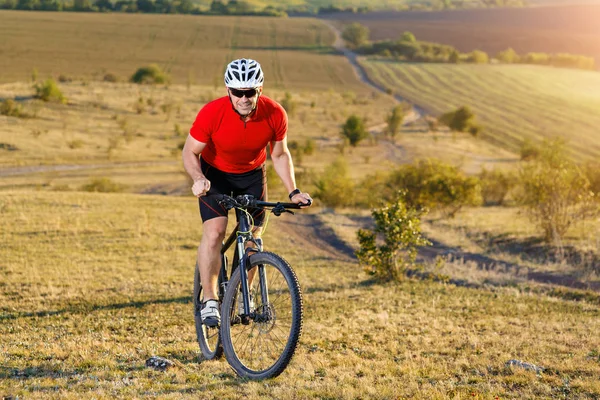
(245, 287)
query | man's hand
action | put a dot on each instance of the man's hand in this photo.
(201, 186)
(302, 198)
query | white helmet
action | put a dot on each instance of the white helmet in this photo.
(244, 73)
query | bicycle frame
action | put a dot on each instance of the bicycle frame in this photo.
(240, 235)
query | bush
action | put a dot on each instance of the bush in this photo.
(459, 120)
(355, 34)
(354, 130)
(432, 184)
(592, 173)
(529, 151)
(495, 186)
(149, 75)
(371, 190)
(110, 77)
(11, 108)
(394, 122)
(289, 104)
(104, 185)
(49, 91)
(556, 192)
(399, 228)
(334, 187)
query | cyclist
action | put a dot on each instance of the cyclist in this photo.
(225, 153)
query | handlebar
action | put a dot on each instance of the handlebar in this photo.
(248, 201)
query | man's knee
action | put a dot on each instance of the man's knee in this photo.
(214, 232)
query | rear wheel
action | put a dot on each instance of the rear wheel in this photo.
(208, 338)
(264, 344)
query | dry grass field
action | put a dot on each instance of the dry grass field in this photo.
(558, 29)
(512, 102)
(94, 284)
(192, 49)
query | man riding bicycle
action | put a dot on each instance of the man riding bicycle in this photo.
(225, 153)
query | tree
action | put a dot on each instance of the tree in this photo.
(355, 34)
(217, 7)
(354, 130)
(508, 56)
(82, 5)
(479, 57)
(454, 57)
(408, 37)
(394, 122)
(145, 6)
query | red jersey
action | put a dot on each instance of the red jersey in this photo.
(233, 145)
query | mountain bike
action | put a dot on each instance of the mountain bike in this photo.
(261, 322)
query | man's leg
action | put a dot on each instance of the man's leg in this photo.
(209, 255)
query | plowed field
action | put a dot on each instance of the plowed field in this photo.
(568, 29)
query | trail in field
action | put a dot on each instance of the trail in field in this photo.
(416, 112)
(33, 169)
(320, 238)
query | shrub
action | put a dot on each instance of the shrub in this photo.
(289, 104)
(399, 228)
(309, 147)
(592, 172)
(394, 122)
(149, 75)
(104, 185)
(11, 108)
(529, 151)
(370, 191)
(432, 184)
(354, 130)
(556, 193)
(110, 77)
(49, 91)
(495, 186)
(460, 120)
(334, 187)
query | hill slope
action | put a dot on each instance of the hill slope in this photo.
(94, 284)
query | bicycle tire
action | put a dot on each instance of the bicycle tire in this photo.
(209, 339)
(277, 336)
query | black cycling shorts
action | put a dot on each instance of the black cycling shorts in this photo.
(253, 183)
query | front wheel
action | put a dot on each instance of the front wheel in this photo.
(208, 338)
(262, 346)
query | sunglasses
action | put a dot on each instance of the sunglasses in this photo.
(241, 93)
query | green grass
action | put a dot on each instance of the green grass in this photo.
(512, 102)
(94, 284)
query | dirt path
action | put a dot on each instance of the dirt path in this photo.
(35, 169)
(415, 114)
(318, 239)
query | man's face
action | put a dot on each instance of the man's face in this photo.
(244, 100)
